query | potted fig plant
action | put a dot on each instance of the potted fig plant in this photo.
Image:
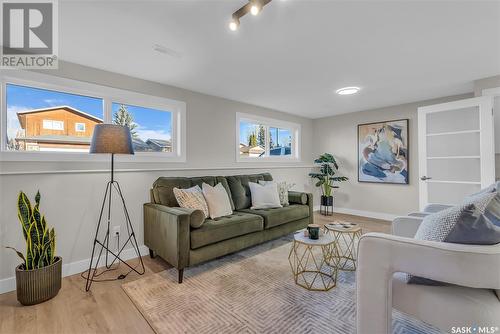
(327, 177)
(38, 278)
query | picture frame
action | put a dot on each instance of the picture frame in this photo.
(383, 152)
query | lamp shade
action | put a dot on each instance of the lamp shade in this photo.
(111, 138)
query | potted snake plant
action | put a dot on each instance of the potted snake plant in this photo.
(38, 277)
(326, 177)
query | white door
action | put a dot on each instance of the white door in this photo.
(456, 150)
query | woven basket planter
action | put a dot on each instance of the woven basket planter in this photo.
(38, 285)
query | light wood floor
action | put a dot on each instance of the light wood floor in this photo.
(106, 309)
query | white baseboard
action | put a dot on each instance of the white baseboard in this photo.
(9, 284)
(369, 214)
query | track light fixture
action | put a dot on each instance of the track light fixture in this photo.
(253, 7)
(234, 24)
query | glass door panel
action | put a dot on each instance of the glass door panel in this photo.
(456, 155)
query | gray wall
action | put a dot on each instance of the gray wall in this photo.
(72, 191)
(338, 135)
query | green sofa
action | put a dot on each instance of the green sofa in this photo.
(168, 232)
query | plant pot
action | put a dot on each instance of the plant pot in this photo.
(326, 208)
(327, 200)
(38, 285)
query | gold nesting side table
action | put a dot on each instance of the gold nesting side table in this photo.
(314, 262)
(346, 236)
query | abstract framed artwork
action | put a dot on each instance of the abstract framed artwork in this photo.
(383, 152)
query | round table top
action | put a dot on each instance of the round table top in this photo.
(342, 227)
(324, 239)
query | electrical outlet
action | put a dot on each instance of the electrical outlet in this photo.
(116, 231)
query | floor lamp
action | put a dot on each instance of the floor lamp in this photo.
(111, 139)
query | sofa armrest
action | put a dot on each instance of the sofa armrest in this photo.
(381, 255)
(297, 197)
(166, 231)
(406, 226)
(433, 208)
(419, 214)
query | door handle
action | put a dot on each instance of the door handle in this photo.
(423, 178)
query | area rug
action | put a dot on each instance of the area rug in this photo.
(252, 291)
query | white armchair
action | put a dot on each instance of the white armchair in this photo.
(474, 270)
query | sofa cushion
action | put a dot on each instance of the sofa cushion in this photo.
(223, 228)
(279, 216)
(240, 191)
(213, 181)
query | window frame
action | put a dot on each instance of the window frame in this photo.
(52, 126)
(295, 128)
(108, 96)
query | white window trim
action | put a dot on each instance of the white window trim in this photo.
(269, 122)
(84, 127)
(108, 95)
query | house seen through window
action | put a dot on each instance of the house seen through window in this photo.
(260, 140)
(46, 120)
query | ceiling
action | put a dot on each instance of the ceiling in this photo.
(295, 54)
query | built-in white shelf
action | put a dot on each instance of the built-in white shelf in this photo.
(452, 133)
(453, 182)
(455, 157)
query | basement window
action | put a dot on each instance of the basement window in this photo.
(50, 118)
(260, 138)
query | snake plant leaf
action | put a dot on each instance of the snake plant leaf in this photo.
(29, 251)
(52, 245)
(21, 255)
(24, 211)
(37, 199)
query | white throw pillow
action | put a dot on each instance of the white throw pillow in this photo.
(191, 198)
(217, 200)
(264, 196)
(283, 188)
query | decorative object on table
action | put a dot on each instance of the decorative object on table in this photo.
(312, 262)
(328, 167)
(313, 231)
(112, 139)
(283, 188)
(383, 152)
(38, 278)
(346, 236)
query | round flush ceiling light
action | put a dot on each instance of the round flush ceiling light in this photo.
(347, 90)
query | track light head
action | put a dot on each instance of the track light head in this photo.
(234, 24)
(255, 8)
